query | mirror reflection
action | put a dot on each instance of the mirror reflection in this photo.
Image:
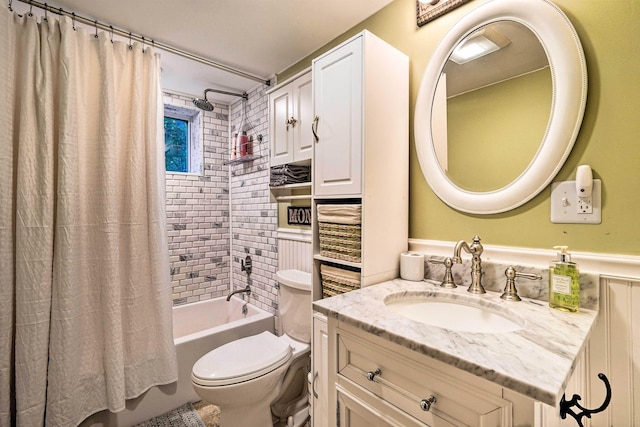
(492, 106)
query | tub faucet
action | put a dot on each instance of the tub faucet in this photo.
(475, 249)
(246, 290)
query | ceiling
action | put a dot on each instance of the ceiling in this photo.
(260, 37)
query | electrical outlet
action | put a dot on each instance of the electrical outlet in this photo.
(585, 205)
(568, 208)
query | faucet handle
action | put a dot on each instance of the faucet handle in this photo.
(510, 291)
(447, 280)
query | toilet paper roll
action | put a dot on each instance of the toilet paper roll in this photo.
(412, 266)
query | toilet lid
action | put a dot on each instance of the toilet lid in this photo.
(241, 360)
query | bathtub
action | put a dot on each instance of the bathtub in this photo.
(197, 329)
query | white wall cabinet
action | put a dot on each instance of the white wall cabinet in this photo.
(361, 153)
(338, 106)
(360, 156)
(361, 101)
(290, 119)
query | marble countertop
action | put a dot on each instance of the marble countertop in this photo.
(536, 360)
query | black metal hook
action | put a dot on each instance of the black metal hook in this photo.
(46, 13)
(30, 8)
(130, 42)
(73, 20)
(111, 32)
(10, 8)
(95, 24)
(565, 406)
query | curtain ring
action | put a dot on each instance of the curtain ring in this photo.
(111, 32)
(73, 20)
(95, 24)
(46, 15)
(143, 45)
(130, 42)
(30, 8)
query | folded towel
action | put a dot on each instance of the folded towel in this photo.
(340, 214)
(346, 274)
(289, 174)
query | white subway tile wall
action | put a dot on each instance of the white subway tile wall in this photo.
(198, 214)
(253, 217)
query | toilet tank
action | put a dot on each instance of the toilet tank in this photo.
(294, 306)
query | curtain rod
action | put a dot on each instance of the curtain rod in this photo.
(139, 38)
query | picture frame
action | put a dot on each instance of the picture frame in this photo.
(428, 10)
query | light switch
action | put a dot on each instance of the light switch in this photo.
(568, 208)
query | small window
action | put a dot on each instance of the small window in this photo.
(176, 144)
(182, 140)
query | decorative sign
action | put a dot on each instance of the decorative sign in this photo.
(299, 215)
(428, 10)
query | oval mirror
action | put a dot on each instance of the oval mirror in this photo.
(500, 105)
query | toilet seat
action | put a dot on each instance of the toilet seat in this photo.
(241, 360)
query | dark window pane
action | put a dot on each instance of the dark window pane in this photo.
(176, 143)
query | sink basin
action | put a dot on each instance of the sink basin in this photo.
(454, 314)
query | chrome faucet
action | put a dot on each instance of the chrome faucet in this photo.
(475, 249)
(246, 290)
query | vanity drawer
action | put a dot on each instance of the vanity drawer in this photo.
(362, 409)
(406, 382)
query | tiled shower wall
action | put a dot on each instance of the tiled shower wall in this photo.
(254, 218)
(198, 213)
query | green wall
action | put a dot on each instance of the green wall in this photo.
(608, 139)
(507, 135)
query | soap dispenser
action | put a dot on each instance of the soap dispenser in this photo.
(564, 282)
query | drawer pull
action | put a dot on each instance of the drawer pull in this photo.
(371, 376)
(425, 404)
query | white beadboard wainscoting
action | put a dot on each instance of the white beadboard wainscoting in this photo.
(614, 347)
(294, 249)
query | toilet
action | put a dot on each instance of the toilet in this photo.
(263, 378)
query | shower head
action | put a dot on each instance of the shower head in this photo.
(203, 104)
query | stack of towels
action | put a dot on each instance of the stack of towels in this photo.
(289, 174)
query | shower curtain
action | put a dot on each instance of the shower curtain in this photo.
(85, 298)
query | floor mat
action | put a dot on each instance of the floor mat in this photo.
(184, 416)
(209, 413)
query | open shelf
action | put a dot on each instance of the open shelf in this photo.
(337, 261)
(243, 159)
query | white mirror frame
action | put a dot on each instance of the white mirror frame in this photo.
(569, 77)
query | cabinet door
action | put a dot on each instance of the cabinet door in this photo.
(281, 139)
(303, 113)
(338, 90)
(320, 369)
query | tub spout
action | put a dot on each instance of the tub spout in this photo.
(246, 290)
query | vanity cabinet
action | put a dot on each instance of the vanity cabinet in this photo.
(361, 150)
(290, 119)
(374, 379)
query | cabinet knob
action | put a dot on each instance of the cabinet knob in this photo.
(425, 404)
(291, 122)
(371, 376)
